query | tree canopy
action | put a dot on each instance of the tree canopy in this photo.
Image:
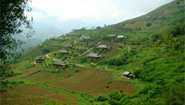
(12, 21)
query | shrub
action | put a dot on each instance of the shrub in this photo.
(101, 98)
(109, 82)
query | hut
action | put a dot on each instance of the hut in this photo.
(93, 56)
(105, 47)
(63, 51)
(113, 36)
(68, 46)
(120, 36)
(127, 74)
(60, 64)
(39, 59)
(87, 38)
(61, 39)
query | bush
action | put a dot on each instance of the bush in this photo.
(109, 82)
(101, 98)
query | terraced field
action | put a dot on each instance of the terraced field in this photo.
(78, 79)
(108, 43)
(26, 72)
(84, 81)
(44, 77)
(94, 82)
(31, 95)
(123, 86)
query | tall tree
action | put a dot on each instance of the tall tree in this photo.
(12, 21)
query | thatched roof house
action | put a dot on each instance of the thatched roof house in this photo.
(103, 47)
(68, 46)
(127, 74)
(113, 36)
(93, 56)
(120, 36)
(60, 64)
(63, 51)
(61, 38)
(88, 38)
(39, 59)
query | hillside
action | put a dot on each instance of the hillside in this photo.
(152, 49)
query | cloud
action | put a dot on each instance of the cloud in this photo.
(93, 10)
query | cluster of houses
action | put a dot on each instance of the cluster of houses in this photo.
(57, 63)
(95, 56)
(117, 36)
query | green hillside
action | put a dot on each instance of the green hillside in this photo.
(152, 50)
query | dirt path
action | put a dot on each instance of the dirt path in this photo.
(128, 48)
(47, 55)
(86, 51)
(80, 65)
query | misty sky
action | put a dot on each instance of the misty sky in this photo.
(90, 12)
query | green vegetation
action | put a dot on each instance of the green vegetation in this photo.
(152, 50)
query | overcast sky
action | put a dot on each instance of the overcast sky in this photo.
(95, 12)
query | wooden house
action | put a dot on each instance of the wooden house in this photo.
(63, 51)
(39, 59)
(120, 36)
(105, 47)
(87, 38)
(62, 39)
(113, 36)
(93, 56)
(60, 64)
(68, 46)
(127, 74)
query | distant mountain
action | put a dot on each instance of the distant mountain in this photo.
(45, 31)
(28, 42)
(151, 21)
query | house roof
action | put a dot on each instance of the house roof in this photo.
(63, 51)
(52, 38)
(62, 38)
(39, 58)
(95, 55)
(120, 36)
(68, 45)
(103, 46)
(87, 38)
(112, 35)
(60, 63)
(126, 73)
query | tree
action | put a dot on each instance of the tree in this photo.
(12, 21)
